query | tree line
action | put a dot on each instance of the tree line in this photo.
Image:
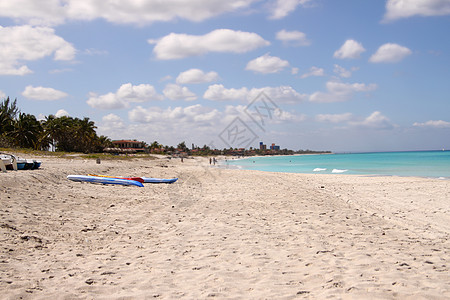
(69, 134)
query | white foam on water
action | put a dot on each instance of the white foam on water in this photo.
(338, 171)
(319, 169)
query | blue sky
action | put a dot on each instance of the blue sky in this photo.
(326, 74)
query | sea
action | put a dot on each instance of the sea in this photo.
(434, 164)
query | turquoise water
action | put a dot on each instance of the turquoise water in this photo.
(417, 163)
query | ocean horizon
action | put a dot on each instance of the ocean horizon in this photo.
(430, 163)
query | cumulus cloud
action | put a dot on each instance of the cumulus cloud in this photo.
(43, 93)
(398, 9)
(314, 71)
(284, 7)
(433, 124)
(375, 121)
(177, 92)
(334, 118)
(2, 95)
(280, 94)
(62, 113)
(343, 72)
(196, 76)
(126, 94)
(32, 12)
(293, 38)
(113, 121)
(267, 64)
(351, 49)
(197, 114)
(217, 92)
(26, 43)
(177, 46)
(390, 53)
(53, 12)
(340, 92)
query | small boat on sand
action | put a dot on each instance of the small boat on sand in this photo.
(159, 180)
(104, 180)
(120, 177)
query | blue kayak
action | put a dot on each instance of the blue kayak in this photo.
(159, 180)
(103, 180)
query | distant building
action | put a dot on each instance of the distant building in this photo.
(128, 146)
(274, 147)
(262, 146)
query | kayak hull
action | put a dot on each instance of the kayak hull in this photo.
(103, 180)
(118, 177)
(158, 180)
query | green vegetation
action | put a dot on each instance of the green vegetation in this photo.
(62, 134)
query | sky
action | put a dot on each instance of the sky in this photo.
(339, 75)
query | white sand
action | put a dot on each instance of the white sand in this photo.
(224, 234)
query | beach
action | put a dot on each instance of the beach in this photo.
(220, 233)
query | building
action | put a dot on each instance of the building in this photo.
(128, 146)
(262, 146)
(274, 147)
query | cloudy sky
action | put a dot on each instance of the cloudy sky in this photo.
(340, 75)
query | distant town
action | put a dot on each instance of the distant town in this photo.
(182, 150)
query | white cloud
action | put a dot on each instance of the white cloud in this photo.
(2, 95)
(43, 93)
(196, 76)
(314, 71)
(351, 49)
(375, 121)
(433, 124)
(281, 94)
(217, 92)
(293, 38)
(340, 92)
(126, 94)
(62, 113)
(390, 53)
(112, 121)
(343, 72)
(53, 12)
(26, 43)
(267, 64)
(284, 7)
(397, 9)
(195, 114)
(334, 118)
(47, 13)
(177, 46)
(176, 92)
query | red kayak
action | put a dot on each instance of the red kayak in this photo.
(139, 179)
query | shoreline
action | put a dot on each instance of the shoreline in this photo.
(220, 233)
(371, 167)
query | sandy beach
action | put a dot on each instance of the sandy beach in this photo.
(219, 233)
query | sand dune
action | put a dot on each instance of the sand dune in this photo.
(225, 234)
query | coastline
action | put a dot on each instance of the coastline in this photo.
(221, 233)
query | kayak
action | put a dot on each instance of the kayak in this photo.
(104, 180)
(159, 180)
(119, 177)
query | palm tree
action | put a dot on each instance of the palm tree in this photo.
(8, 112)
(85, 134)
(26, 131)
